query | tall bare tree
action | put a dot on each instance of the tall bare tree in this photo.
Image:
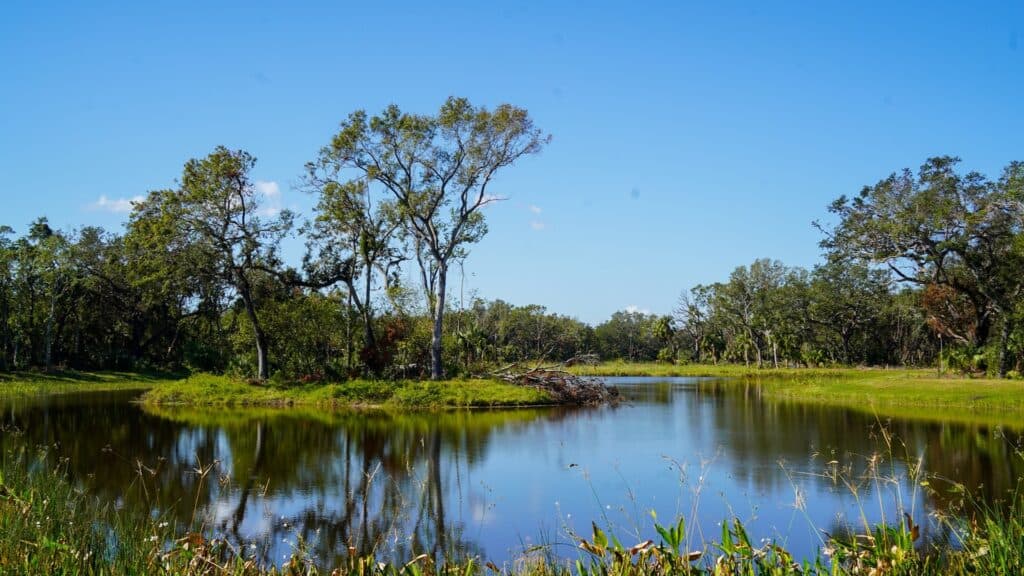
(438, 170)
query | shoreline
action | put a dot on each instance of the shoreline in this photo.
(911, 393)
(898, 392)
(223, 391)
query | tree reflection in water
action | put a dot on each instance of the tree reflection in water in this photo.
(399, 484)
(369, 481)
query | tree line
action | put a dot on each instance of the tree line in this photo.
(916, 265)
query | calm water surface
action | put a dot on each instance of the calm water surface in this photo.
(491, 483)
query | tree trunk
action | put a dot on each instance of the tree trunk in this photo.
(348, 334)
(50, 319)
(138, 336)
(371, 355)
(436, 368)
(983, 328)
(1004, 342)
(32, 331)
(262, 370)
(5, 334)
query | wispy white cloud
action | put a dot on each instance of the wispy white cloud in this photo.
(106, 204)
(634, 309)
(538, 225)
(270, 189)
(271, 192)
(534, 208)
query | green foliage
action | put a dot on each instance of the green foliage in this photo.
(437, 171)
(955, 234)
(305, 337)
(840, 313)
(215, 214)
(496, 332)
(354, 238)
(629, 335)
(196, 282)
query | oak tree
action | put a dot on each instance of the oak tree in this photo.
(216, 212)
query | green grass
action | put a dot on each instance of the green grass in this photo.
(906, 394)
(903, 392)
(620, 368)
(210, 390)
(213, 390)
(27, 384)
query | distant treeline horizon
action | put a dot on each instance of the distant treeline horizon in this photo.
(919, 265)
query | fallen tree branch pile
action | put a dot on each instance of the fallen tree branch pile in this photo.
(563, 386)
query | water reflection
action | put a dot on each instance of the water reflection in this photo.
(485, 483)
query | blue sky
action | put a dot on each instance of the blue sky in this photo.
(689, 137)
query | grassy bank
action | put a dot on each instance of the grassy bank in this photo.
(913, 393)
(619, 368)
(49, 526)
(25, 384)
(907, 394)
(210, 390)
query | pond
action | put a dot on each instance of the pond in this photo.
(494, 483)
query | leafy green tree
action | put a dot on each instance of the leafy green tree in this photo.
(99, 321)
(305, 332)
(907, 338)
(628, 335)
(847, 299)
(941, 227)
(216, 210)
(180, 293)
(438, 170)
(664, 330)
(43, 270)
(752, 306)
(699, 324)
(7, 256)
(353, 238)
(773, 308)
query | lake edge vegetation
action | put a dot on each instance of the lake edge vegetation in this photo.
(49, 525)
(881, 391)
(227, 391)
(216, 390)
(884, 392)
(34, 383)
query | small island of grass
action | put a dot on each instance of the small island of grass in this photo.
(212, 390)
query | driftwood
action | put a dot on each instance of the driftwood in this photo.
(563, 386)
